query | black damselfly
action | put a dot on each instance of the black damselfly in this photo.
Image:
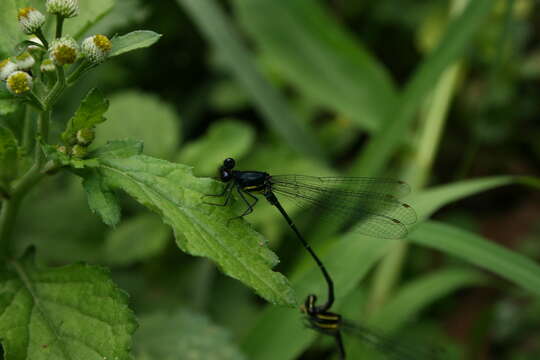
(332, 324)
(371, 200)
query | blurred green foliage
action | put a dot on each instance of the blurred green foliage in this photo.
(442, 94)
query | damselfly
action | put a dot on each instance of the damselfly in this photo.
(332, 324)
(370, 203)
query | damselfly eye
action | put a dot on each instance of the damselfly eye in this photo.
(229, 163)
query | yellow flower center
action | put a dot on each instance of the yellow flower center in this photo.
(64, 54)
(103, 43)
(24, 12)
(18, 83)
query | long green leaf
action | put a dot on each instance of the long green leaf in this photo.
(478, 251)
(411, 298)
(430, 200)
(221, 35)
(320, 58)
(452, 46)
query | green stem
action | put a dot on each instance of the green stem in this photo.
(57, 89)
(59, 25)
(7, 222)
(41, 37)
(42, 136)
(27, 130)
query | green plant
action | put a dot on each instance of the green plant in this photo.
(62, 142)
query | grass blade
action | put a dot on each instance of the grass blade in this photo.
(217, 29)
(478, 251)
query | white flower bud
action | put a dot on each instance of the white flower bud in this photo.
(64, 8)
(47, 66)
(96, 48)
(64, 51)
(19, 83)
(7, 67)
(25, 61)
(36, 40)
(30, 19)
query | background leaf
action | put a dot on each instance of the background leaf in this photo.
(68, 312)
(227, 138)
(452, 46)
(136, 239)
(163, 336)
(140, 116)
(320, 58)
(474, 249)
(220, 33)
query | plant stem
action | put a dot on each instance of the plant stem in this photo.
(42, 136)
(41, 37)
(59, 25)
(57, 89)
(27, 129)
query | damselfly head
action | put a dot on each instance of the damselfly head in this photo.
(229, 163)
(225, 170)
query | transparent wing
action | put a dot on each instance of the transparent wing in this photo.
(393, 347)
(372, 203)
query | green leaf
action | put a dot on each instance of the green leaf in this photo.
(90, 13)
(70, 312)
(8, 106)
(163, 336)
(227, 138)
(101, 199)
(452, 46)
(119, 149)
(134, 40)
(11, 31)
(143, 117)
(219, 32)
(416, 295)
(136, 239)
(428, 201)
(8, 155)
(320, 58)
(476, 250)
(175, 194)
(90, 113)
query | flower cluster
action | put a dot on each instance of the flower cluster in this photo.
(77, 146)
(16, 72)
